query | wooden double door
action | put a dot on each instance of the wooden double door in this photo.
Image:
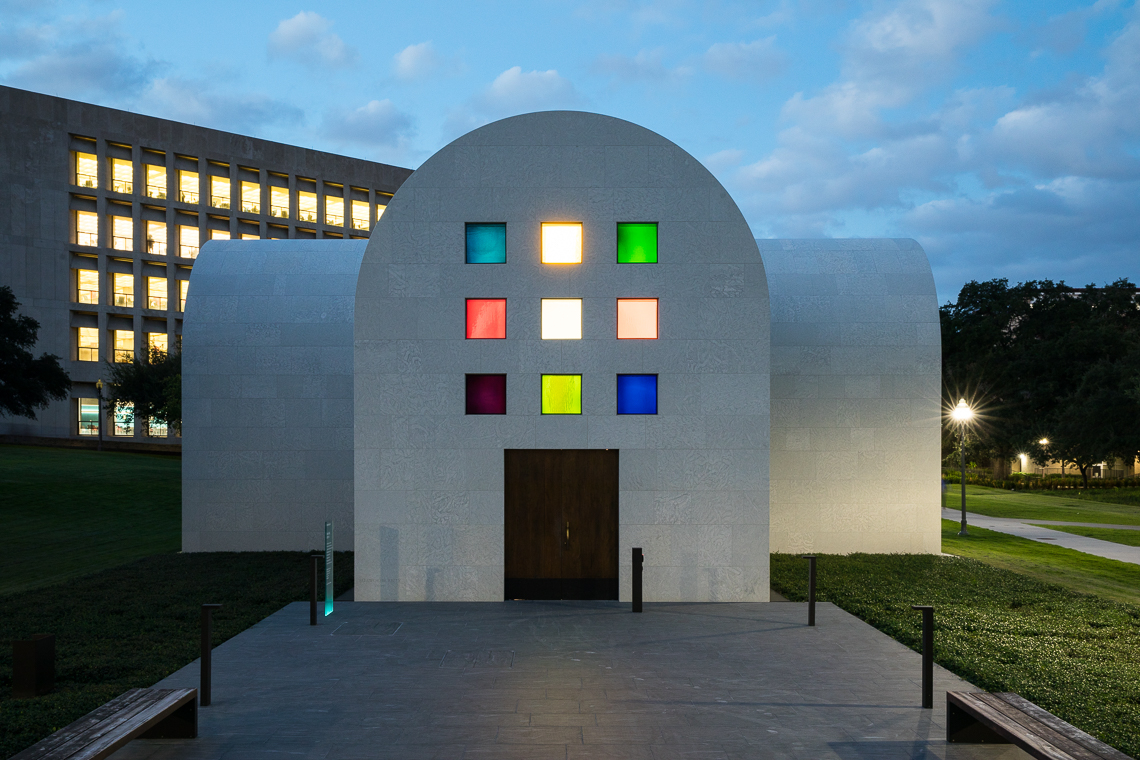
(561, 523)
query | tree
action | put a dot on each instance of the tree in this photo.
(26, 383)
(152, 385)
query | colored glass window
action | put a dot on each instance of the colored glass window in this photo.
(486, 394)
(561, 394)
(486, 243)
(637, 318)
(637, 394)
(637, 242)
(562, 319)
(486, 318)
(561, 243)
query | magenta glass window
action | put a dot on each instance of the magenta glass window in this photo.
(486, 394)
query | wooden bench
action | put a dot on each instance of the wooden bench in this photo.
(1010, 719)
(139, 713)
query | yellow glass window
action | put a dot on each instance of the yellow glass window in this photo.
(156, 293)
(334, 211)
(247, 236)
(157, 342)
(86, 228)
(86, 170)
(250, 198)
(156, 238)
(307, 207)
(88, 416)
(124, 346)
(123, 290)
(187, 242)
(360, 215)
(87, 286)
(220, 192)
(380, 209)
(279, 202)
(183, 289)
(122, 176)
(187, 186)
(122, 233)
(219, 235)
(155, 181)
(561, 243)
(88, 338)
(124, 419)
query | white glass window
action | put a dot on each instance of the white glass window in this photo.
(157, 342)
(86, 228)
(86, 170)
(279, 202)
(562, 319)
(156, 293)
(250, 198)
(155, 181)
(88, 343)
(156, 238)
(334, 211)
(220, 192)
(188, 242)
(122, 176)
(122, 233)
(124, 346)
(86, 286)
(307, 207)
(219, 235)
(183, 289)
(123, 290)
(187, 186)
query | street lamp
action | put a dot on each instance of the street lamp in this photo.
(962, 414)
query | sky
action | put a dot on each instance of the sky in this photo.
(1003, 136)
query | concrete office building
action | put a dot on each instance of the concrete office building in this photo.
(103, 212)
(566, 344)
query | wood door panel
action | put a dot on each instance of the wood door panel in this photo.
(589, 506)
(532, 514)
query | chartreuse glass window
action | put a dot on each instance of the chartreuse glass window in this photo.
(637, 242)
(637, 318)
(561, 394)
(561, 242)
(486, 394)
(562, 319)
(486, 318)
(637, 394)
(486, 243)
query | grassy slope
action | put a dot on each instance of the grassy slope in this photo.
(68, 512)
(1127, 496)
(1126, 537)
(1032, 505)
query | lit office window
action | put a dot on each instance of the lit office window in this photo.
(279, 202)
(486, 243)
(334, 211)
(86, 286)
(360, 215)
(247, 236)
(250, 198)
(562, 319)
(155, 181)
(187, 242)
(307, 207)
(88, 416)
(86, 170)
(156, 293)
(183, 289)
(188, 186)
(88, 342)
(156, 238)
(561, 243)
(380, 209)
(122, 233)
(124, 346)
(637, 318)
(124, 419)
(220, 192)
(123, 290)
(486, 394)
(86, 228)
(157, 342)
(486, 318)
(122, 176)
(561, 394)
(157, 428)
(637, 394)
(219, 235)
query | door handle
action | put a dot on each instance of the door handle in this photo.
(567, 532)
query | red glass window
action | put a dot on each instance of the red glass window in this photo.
(486, 317)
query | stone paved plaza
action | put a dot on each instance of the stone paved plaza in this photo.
(564, 680)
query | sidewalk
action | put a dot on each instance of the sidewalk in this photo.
(1029, 529)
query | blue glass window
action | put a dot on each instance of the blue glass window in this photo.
(486, 243)
(637, 394)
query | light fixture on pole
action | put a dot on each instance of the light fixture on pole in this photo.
(962, 414)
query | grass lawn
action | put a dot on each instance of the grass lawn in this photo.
(1126, 537)
(68, 512)
(1035, 505)
(1076, 655)
(1129, 496)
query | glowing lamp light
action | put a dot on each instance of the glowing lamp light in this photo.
(1044, 442)
(962, 412)
(561, 243)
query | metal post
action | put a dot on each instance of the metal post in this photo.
(638, 561)
(204, 691)
(313, 589)
(962, 448)
(927, 654)
(811, 588)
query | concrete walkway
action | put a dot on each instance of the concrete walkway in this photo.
(1030, 529)
(539, 680)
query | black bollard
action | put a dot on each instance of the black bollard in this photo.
(204, 691)
(638, 561)
(313, 590)
(927, 654)
(33, 666)
(811, 588)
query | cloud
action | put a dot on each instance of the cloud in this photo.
(755, 61)
(723, 160)
(646, 66)
(306, 38)
(376, 123)
(201, 103)
(422, 61)
(513, 92)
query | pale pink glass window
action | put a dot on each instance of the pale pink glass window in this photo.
(486, 317)
(637, 318)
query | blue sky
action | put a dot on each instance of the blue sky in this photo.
(1004, 136)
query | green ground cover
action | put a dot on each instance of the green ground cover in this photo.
(68, 512)
(1127, 496)
(1076, 655)
(135, 624)
(1043, 505)
(1116, 536)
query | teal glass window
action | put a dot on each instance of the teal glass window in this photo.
(637, 242)
(486, 243)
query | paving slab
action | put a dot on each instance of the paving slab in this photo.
(1032, 530)
(565, 680)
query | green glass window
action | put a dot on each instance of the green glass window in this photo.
(486, 243)
(637, 242)
(561, 394)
